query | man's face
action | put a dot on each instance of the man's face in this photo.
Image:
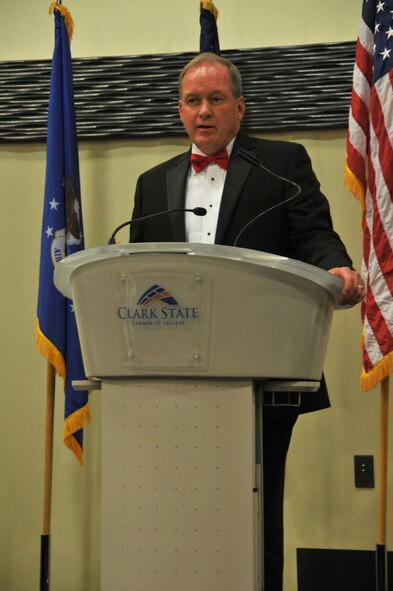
(210, 113)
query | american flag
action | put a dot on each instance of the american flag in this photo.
(369, 175)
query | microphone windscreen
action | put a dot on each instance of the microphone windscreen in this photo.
(199, 211)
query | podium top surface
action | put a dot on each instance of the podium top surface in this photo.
(65, 268)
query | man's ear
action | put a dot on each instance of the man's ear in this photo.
(241, 107)
(180, 108)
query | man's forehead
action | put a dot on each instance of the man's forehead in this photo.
(206, 78)
(206, 69)
(198, 90)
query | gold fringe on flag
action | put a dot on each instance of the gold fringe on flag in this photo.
(65, 13)
(356, 187)
(50, 352)
(78, 420)
(209, 5)
(371, 379)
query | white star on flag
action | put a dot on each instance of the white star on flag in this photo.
(53, 204)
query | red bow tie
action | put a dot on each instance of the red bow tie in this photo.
(200, 162)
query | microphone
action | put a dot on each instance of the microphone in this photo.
(196, 211)
(256, 162)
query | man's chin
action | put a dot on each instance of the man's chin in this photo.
(206, 141)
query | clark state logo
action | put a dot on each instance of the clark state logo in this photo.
(157, 307)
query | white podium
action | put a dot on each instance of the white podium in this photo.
(176, 335)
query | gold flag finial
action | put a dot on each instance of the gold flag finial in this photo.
(209, 5)
(65, 13)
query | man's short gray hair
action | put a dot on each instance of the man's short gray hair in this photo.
(202, 58)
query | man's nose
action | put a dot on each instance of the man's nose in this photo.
(205, 109)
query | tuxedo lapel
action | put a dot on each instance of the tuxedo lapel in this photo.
(176, 179)
(236, 178)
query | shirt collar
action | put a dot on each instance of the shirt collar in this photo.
(196, 150)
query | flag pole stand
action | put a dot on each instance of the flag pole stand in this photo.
(45, 537)
(381, 552)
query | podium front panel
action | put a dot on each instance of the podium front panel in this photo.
(158, 329)
(179, 505)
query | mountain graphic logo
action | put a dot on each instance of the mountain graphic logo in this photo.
(154, 294)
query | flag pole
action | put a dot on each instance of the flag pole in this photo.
(45, 537)
(381, 552)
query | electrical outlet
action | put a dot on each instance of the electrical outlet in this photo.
(364, 471)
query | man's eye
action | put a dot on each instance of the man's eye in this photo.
(216, 99)
(192, 101)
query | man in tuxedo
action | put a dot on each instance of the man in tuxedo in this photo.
(214, 175)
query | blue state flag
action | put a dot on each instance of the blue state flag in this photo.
(208, 40)
(62, 235)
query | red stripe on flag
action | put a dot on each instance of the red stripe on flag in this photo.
(360, 113)
(356, 163)
(384, 145)
(379, 239)
(364, 61)
(367, 364)
(378, 324)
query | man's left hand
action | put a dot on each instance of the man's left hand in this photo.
(353, 288)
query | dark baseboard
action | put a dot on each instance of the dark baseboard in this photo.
(339, 570)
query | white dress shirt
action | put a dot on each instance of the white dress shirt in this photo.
(204, 189)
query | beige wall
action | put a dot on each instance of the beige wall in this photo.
(323, 509)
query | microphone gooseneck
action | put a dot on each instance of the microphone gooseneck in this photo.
(196, 211)
(251, 159)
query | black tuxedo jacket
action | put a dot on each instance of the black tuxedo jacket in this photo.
(301, 229)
